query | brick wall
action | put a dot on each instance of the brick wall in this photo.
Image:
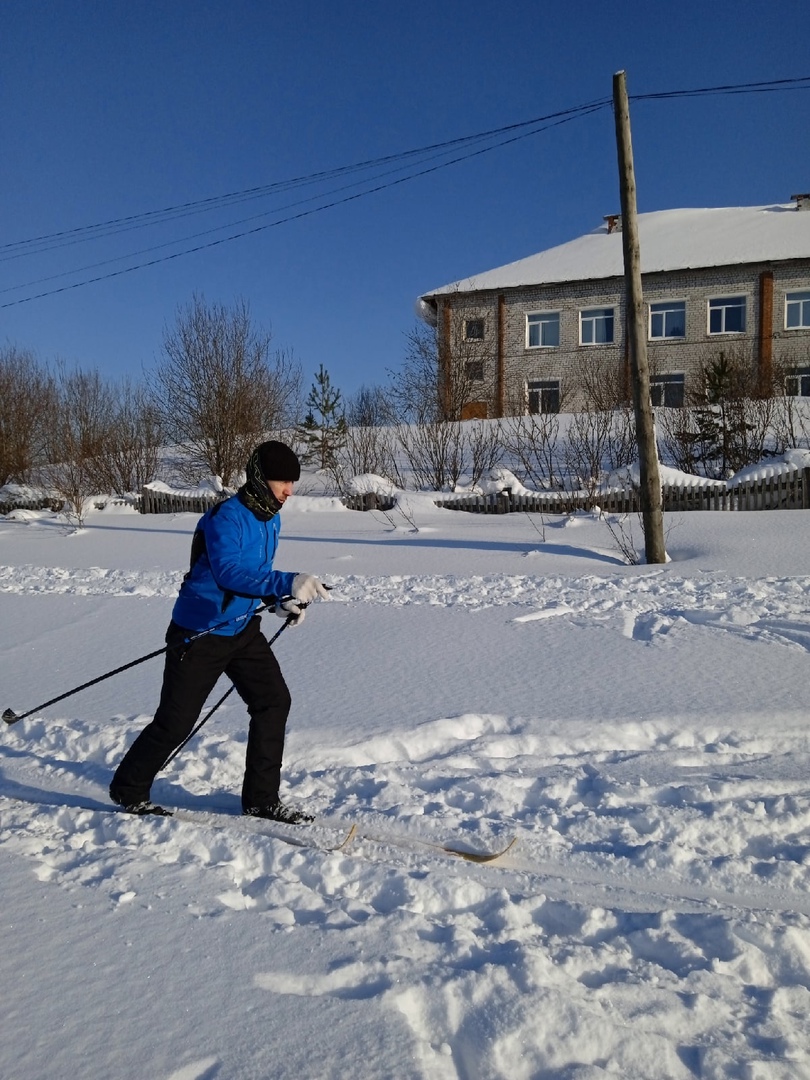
(520, 364)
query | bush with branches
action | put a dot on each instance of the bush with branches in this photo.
(370, 445)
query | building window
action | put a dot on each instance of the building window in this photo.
(667, 391)
(596, 326)
(667, 320)
(544, 396)
(543, 330)
(797, 382)
(473, 329)
(474, 370)
(727, 315)
(797, 311)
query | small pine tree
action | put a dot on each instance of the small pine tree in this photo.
(724, 417)
(323, 430)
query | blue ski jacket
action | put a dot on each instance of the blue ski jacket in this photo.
(231, 570)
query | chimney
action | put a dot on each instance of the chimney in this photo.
(802, 201)
(614, 221)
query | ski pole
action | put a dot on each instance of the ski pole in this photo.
(287, 622)
(11, 717)
(228, 692)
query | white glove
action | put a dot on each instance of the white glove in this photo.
(305, 588)
(289, 609)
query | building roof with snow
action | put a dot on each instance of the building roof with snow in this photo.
(668, 239)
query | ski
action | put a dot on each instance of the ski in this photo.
(479, 856)
(455, 850)
(276, 830)
(218, 820)
(298, 835)
(355, 832)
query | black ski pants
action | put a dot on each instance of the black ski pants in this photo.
(190, 673)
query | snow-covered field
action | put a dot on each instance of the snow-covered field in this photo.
(642, 732)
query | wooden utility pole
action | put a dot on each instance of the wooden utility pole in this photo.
(652, 514)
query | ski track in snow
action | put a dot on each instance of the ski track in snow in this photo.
(773, 610)
(657, 873)
(656, 907)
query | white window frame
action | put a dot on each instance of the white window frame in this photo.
(724, 304)
(661, 382)
(541, 320)
(539, 386)
(664, 308)
(593, 316)
(799, 299)
(797, 382)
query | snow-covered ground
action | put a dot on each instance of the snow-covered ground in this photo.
(642, 732)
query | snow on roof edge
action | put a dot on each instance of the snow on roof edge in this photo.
(670, 240)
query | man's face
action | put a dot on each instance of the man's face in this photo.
(281, 489)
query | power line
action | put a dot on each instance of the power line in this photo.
(392, 164)
(801, 83)
(564, 118)
(82, 233)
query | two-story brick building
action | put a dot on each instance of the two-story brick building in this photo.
(533, 335)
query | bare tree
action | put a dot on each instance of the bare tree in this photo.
(791, 417)
(604, 385)
(683, 441)
(586, 448)
(484, 449)
(622, 448)
(368, 450)
(77, 431)
(370, 441)
(219, 390)
(26, 397)
(129, 453)
(429, 387)
(369, 407)
(532, 442)
(430, 396)
(435, 452)
(415, 394)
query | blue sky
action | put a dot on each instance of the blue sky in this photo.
(114, 109)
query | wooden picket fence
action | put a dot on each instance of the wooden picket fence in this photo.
(370, 501)
(788, 491)
(38, 502)
(154, 501)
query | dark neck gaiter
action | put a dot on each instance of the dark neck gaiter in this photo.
(255, 493)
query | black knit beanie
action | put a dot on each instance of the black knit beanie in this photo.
(269, 461)
(278, 461)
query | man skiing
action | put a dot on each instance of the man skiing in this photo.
(231, 574)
